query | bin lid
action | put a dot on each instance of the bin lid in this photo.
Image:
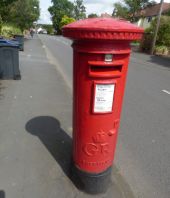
(15, 41)
(102, 29)
(8, 43)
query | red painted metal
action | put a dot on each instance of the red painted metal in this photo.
(94, 132)
(102, 29)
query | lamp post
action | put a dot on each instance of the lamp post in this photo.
(35, 22)
(157, 27)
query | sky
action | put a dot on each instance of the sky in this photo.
(92, 6)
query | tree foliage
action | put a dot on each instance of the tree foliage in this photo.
(66, 20)
(167, 13)
(92, 15)
(4, 8)
(121, 11)
(20, 13)
(48, 27)
(24, 12)
(163, 37)
(61, 8)
(129, 8)
(8, 30)
(0, 24)
(58, 10)
(79, 10)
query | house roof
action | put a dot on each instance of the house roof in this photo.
(154, 10)
(105, 15)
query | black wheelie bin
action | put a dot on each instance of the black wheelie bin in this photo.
(9, 60)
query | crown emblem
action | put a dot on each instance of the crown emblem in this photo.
(100, 137)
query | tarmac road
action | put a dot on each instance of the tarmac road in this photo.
(143, 150)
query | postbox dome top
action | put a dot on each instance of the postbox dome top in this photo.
(102, 29)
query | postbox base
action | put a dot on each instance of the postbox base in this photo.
(91, 183)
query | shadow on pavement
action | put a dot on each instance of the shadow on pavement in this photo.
(57, 141)
(161, 61)
(2, 194)
(59, 144)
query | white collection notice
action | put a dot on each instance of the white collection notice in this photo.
(104, 95)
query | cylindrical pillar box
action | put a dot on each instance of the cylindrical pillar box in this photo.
(101, 55)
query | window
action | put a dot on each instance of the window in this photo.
(149, 19)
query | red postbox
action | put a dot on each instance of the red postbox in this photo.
(101, 55)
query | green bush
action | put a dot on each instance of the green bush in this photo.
(49, 28)
(161, 50)
(163, 37)
(164, 32)
(0, 24)
(146, 42)
(66, 20)
(9, 30)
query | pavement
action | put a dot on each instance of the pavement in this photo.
(35, 132)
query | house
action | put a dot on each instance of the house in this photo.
(148, 14)
(105, 15)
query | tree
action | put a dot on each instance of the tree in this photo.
(92, 15)
(79, 10)
(121, 11)
(129, 8)
(58, 10)
(24, 12)
(4, 8)
(66, 20)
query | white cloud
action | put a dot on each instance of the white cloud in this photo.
(98, 6)
(92, 6)
(166, 1)
(98, 1)
(45, 15)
